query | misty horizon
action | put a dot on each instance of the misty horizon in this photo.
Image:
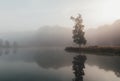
(62, 36)
(59, 40)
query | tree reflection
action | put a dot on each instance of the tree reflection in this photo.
(1, 51)
(14, 50)
(6, 51)
(78, 66)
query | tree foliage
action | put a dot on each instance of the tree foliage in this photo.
(78, 33)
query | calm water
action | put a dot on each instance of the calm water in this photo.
(54, 64)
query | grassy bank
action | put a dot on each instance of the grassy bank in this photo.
(95, 49)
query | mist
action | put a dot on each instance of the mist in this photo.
(106, 35)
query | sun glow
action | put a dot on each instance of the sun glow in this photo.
(110, 10)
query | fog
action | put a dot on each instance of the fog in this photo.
(35, 33)
(62, 36)
(25, 21)
(105, 35)
(44, 36)
(24, 15)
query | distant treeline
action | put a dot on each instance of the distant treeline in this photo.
(107, 35)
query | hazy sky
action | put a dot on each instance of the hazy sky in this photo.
(22, 15)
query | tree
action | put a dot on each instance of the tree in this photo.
(78, 33)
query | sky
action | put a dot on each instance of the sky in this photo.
(23, 15)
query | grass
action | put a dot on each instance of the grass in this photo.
(95, 49)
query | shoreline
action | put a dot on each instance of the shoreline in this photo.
(94, 49)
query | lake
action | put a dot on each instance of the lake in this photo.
(54, 64)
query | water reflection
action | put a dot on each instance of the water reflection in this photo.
(14, 50)
(108, 63)
(6, 51)
(54, 59)
(1, 51)
(78, 67)
(57, 65)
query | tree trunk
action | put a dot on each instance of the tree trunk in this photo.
(79, 48)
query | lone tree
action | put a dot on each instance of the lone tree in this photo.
(78, 33)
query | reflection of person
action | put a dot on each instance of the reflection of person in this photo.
(78, 65)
